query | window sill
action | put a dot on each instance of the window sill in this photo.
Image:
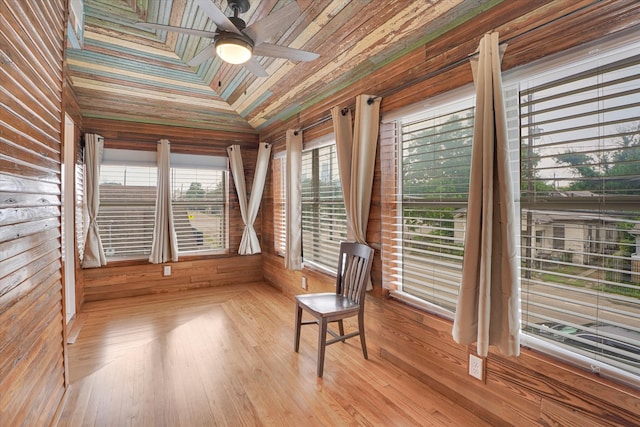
(312, 266)
(421, 304)
(123, 262)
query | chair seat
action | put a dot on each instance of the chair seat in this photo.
(327, 303)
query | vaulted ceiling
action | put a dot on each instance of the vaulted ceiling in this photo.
(120, 71)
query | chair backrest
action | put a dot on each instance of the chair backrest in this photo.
(354, 268)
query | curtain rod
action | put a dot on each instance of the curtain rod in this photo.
(150, 144)
(181, 144)
(444, 69)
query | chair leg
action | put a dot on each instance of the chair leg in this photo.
(296, 339)
(322, 343)
(341, 329)
(363, 341)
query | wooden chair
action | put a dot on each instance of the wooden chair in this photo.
(354, 267)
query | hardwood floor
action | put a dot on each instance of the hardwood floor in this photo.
(224, 356)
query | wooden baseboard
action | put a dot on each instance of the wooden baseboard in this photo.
(55, 420)
(74, 327)
(451, 394)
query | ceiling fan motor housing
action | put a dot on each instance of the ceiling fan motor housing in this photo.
(240, 39)
(238, 22)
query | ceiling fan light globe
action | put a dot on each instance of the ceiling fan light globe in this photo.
(233, 51)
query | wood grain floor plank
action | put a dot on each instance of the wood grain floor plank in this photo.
(224, 357)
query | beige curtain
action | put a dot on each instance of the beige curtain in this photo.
(293, 194)
(343, 132)
(249, 243)
(363, 160)
(93, 251)
(356, 161)
(488, 310)
(164, 246)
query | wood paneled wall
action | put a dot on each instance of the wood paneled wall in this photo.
(125, 280)
(131, 278)
(532, 389)
(120, 134)
(32, 373)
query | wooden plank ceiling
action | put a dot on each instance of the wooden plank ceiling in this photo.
(124, 72)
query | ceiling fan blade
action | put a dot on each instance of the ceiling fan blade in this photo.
(200, 33)
(217, 16)
(268, 49)
(203, 55)
(255, 68)
(266, 27)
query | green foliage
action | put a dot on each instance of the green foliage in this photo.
(627, 240)
(530, 182)
(217, 193)
(436, 164)
(196, 191)
(629, 291)
(437, 161)
(614, 171)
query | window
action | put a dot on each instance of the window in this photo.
(198, 199)
(580, 140)
(576, 126)
(127, 209)
(434, 164)
(80, 210)
(279, 204)
(128, 197)
(324, 221)
(558, 235)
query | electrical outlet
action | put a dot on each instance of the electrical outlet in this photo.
(167, 270)
(476, 367)
(304, 283)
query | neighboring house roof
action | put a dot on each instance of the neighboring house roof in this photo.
(550, 216)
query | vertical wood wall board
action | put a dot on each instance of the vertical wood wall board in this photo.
(31, 316)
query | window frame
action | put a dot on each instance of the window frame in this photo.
(189, 162)
(126, 159)
(311, 147)
(452, 101)
(580, 59)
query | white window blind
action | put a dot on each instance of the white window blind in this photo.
(199, 209)
(80, 210)
(127, 209)
(580, 148)
(324, 221)
(279, 203)
(435, 159)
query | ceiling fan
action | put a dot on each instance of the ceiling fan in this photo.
(235, 42)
